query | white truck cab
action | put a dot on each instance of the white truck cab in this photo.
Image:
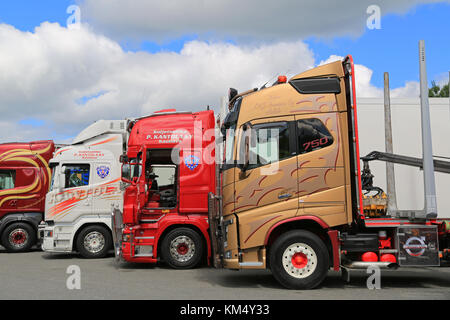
(86, 177)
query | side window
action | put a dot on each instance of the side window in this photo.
(165, 176)
(7, 179)
(77, 175)
(269, 143)
(163, 189)
(312, 135)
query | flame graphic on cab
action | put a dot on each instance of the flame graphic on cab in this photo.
(29, 157)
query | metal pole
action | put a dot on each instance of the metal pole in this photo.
(390, 175)
(430, 210)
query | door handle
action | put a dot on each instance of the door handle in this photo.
(284, 196)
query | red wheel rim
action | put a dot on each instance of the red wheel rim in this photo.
(299, 260)
(182, 248)
(18, 237)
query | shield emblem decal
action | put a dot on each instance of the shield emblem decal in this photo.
(103, 171)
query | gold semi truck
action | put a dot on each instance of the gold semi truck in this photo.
(289, 195)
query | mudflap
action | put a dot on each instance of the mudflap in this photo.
(214, 220)
(418, 246)
(117, 226)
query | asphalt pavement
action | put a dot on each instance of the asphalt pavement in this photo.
(39, 275)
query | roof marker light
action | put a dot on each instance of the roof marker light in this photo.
(282, 79)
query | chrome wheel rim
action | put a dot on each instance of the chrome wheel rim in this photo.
(18, 238)
(299, 260)
(94, 242)
(182, 248)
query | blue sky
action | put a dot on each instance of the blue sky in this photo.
(25, 15)
(393, 48)
(46, 77)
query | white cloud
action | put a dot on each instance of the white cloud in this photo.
(263, 19)
(410, 90)
(363, 76)
(364, 87)
(69, 78)
(72, 77)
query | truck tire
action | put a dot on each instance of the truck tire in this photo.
(94, 242)
(299, 260)
(18, 237)
(182, 248)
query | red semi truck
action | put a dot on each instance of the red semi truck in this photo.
(169, 173)
(24, 180)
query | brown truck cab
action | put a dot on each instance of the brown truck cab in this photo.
(291, 193)
(289, 176)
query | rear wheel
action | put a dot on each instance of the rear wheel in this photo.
(299, 260)
(94, 242)
(182, 248)
(18, 237)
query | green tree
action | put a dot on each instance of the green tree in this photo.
(437, 92)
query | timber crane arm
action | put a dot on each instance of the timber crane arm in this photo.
(439, 165)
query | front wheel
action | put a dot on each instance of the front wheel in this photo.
(182, 248)
(94, 242)
(299, 260)
(18, 237)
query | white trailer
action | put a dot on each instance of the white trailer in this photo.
(86, 177)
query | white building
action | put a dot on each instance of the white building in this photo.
(407, 140)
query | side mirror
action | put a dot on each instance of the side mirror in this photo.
(126, 173)
(62, 179)
(246, 148)
(232, 92)
(130, 173)
(124, 158)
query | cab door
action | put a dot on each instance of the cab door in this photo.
(265, 188)
(196, 179)
(321, 173)
(7, 185)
